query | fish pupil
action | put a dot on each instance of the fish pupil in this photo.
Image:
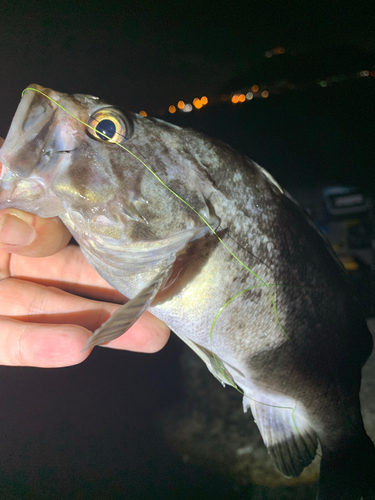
(106, 127)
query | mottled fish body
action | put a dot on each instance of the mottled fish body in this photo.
(294, 342)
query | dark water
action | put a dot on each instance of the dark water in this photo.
(94, 431)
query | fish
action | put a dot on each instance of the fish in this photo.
(210, 243)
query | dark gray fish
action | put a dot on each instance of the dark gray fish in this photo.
(299, 369)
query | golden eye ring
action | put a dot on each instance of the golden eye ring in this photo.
(109, 125)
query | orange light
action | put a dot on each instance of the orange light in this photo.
(265, 93)
(197, 103)
(235, 98)
(143, 113)
(254, 88)
(279, 50)
(172, 109)
(204, 100)
(180, 104)
(242, 97)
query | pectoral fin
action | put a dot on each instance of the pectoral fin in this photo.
(125, 317)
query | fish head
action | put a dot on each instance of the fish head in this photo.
(63, 155)
(52, 161)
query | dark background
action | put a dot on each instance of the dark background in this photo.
(92, 431)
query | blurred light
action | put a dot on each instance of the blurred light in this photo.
(172, 109)
(187, 108)
(241, 98)
(364, 73)
(265, 94)
(180, 104)
(204, 100)
(269, 53)
(255, 88)
(279, 50)
(249, 96)
(323, 83)
(235, 98)
(143, 113)
(197, 103)
(224, 97)
(372, 73)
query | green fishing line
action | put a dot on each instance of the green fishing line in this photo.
(263, 283)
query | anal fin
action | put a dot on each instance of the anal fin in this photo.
(290, 442)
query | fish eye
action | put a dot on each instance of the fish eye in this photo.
(109, 125)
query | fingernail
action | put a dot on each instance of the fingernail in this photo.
(15, 231)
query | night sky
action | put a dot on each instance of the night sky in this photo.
(91, 428)
(147, 55)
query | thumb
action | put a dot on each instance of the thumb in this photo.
(26, 234)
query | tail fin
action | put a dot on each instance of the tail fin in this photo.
(348, 474)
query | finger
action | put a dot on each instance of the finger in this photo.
(67, 270)
(149, 334)
(35, 303)
(45, 346)
(26, 234)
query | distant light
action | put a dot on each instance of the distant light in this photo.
(249, 96)
(235, 98)
(265, 94)
(172, 109)
(224, 97)
(255, 88)
(279, 50)
(365, 73)
(323, 83)
(204, 100)
(269, 53)
(143, 113)
(187, 108)
(180, 104)
(241, 98)
(372, 73)
(197, 103)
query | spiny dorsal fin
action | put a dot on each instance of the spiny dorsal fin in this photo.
(291, 445)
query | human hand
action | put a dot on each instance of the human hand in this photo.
(50, 305)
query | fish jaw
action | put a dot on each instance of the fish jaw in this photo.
(37, 146)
